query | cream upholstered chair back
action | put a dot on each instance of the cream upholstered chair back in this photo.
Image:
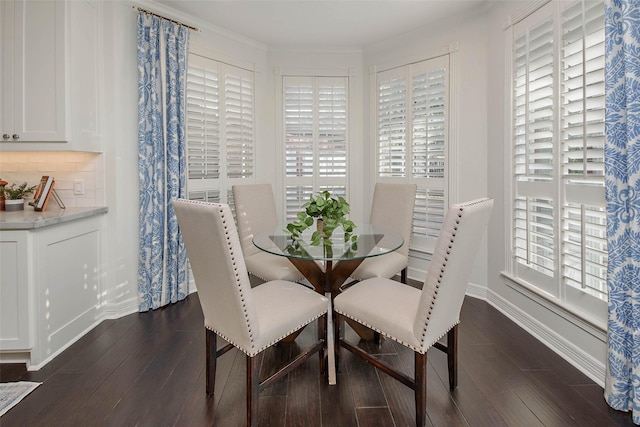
(392, 208)
(255, 212)
(450, 268)
(213, 247)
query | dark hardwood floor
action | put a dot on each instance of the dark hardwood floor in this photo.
(147, 369)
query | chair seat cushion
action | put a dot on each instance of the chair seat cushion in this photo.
(387, 265)
(267, 266)
(384, 305)
(282, 308)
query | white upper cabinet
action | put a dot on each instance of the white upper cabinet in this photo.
(50, 75)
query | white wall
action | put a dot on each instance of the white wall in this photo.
(121, 158)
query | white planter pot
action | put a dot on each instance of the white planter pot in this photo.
(14, 205)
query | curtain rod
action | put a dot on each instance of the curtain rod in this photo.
(148, 12)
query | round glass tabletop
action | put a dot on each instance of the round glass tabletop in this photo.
(372, 241)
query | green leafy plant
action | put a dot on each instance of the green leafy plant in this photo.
(331, 211)
(12, 192)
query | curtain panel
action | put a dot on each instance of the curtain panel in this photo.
(622, 171)
(162, 66)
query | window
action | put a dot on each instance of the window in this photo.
(559, 224)
(220, 128)
(315, 138)
(412, 139)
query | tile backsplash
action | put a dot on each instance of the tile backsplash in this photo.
(66, 167)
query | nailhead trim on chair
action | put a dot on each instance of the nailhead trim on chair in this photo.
(235, 269)
(256, 351)
(440, 277)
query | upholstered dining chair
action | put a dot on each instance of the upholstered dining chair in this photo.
(250, 319)
(391, 208)
(418, 318)
(256, 212)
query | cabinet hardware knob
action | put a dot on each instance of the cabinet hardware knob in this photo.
(16, 136)
(6, 136)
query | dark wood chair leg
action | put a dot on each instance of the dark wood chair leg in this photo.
(253, 390)
(452, 357)
(323, 363)
(211, 340)
(377, 337)
(336, 338)
(421, 388)
(403, 275)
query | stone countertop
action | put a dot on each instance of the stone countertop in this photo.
(29, 219)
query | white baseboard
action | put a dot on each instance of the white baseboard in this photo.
(33, 364)
(121, 309)
(581, 360)
(477, 291)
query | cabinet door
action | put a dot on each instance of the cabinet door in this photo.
(39, 71)
(6, 70)
(14, 291)
(50, 75)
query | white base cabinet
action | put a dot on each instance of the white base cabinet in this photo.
(51, 289)
(14, 291)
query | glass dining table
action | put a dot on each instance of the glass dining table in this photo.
(327, 266)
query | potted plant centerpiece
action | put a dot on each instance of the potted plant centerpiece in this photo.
(15, 196)
(329, 213)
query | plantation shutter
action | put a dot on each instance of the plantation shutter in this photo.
(392, 123)
(203, 120)
(533, 130)
(559, 212)
(239, 123)
(316, 138)
(412, 124)
(584, 245)
(220, 123)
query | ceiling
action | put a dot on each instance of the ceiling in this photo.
(319, 23)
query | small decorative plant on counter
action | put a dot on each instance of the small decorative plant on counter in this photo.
(2, 184)
(15, 196)
(330, 213)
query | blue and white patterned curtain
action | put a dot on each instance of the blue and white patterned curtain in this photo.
(622, 170)
(162, 66)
